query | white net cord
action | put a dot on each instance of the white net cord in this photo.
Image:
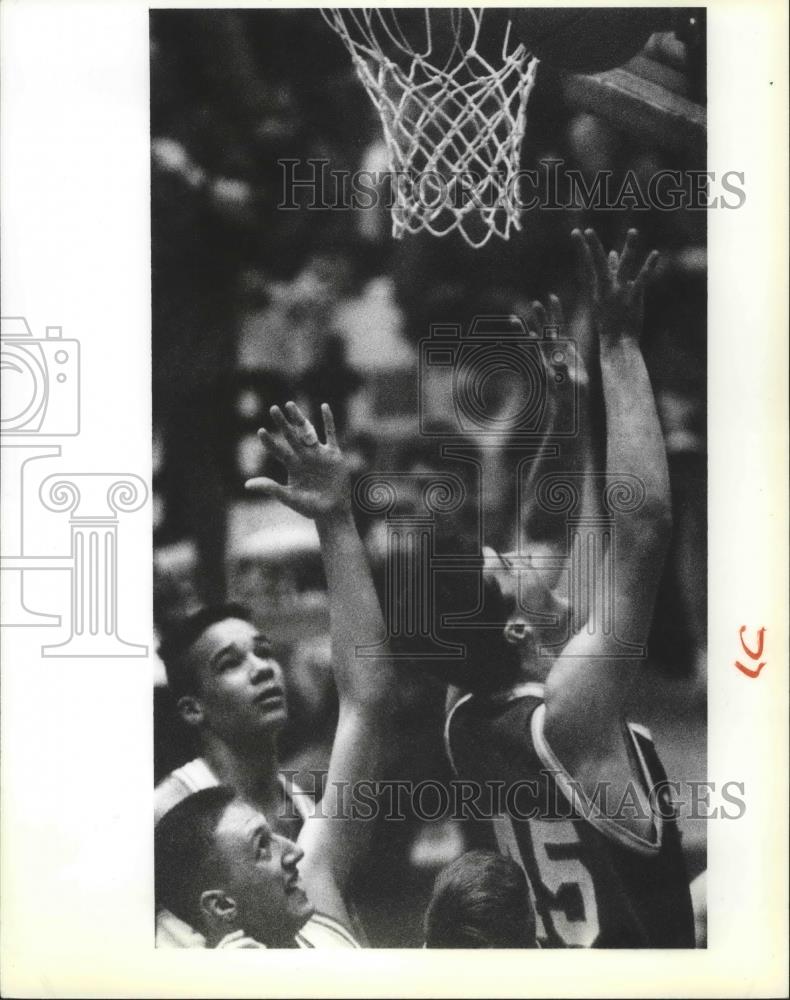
(453, 121)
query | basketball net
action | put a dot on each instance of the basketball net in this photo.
(453, 121)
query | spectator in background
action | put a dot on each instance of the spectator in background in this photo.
(331, 378)
(201, 207)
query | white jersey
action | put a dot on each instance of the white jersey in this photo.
(197, 775)
(320, 931)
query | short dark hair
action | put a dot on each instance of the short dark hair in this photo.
(181, 637)
(186, 861)
(489, 661)
(480, 900)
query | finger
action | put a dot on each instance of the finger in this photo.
(582, 336)
(285, 427)
(329, 425)
(505, 559)
(556, 317)
(645, 271)
(304, 429)
(629, 258)
(598, 256)
(539, 317)
(295, 415)
(586, 259)
(613, 263)
(268, 487)
(275, 446)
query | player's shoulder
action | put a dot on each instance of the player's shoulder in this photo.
(181, 782)
(196, 775)
(525, 694)
(499, 715)
(616, 796)
(323, 931)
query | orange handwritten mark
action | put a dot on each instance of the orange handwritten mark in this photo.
(752, 655)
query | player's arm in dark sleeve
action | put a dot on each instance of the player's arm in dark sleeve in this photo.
(588, 683)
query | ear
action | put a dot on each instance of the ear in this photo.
(217, 906)
(517, 630)
(190, 709)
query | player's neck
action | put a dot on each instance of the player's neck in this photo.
(252, 770)
(535, 670)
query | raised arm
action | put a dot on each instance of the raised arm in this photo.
(544, 534)
(589, 682)
(334, 839)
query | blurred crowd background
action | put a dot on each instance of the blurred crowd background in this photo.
(254, 305)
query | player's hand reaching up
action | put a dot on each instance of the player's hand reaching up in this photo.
(615, 283)
(542, 317)
(318, 481)
(549, 321)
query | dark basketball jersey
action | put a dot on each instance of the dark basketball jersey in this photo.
(594, 883)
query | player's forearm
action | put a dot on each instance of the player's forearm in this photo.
(634, 442)
(580, 453)
(355, 616)
(335, 840)
(574, 458)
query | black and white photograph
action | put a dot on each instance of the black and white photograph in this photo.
(435, 596)
(429, 350)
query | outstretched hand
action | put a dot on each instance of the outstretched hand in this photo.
(615, 284)
(318, 481)
(574, 337)
(540, 317)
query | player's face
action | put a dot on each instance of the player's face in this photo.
(536, 617)
(240, 686)
(262, 877)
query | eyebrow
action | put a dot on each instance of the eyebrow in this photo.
(256, 637)
(229, 648)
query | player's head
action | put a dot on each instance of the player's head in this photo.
(467, 613)
(220, 868)
(480, 900)
(500, 614)
(531, 613)
(221, 671)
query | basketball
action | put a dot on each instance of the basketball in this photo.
(586, 41)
